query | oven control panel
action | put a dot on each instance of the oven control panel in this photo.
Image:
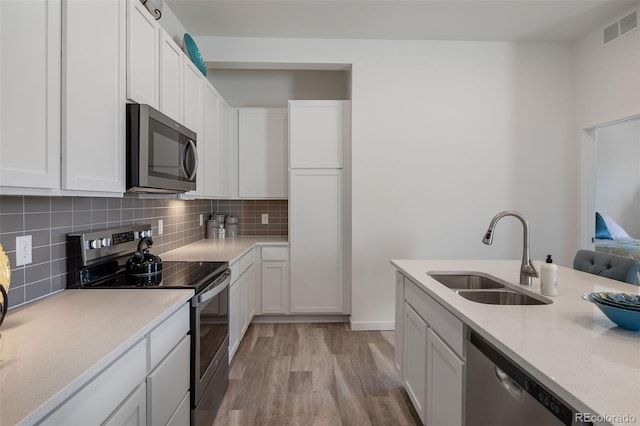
(97, 244)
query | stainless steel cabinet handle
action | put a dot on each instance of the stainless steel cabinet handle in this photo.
(509, 384)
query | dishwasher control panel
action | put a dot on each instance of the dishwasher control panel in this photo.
(554, 405)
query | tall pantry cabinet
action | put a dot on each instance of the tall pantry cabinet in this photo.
(318, 135)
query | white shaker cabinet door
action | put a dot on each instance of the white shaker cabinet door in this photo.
(226, 157)
(210, 138)
(30, 37)
(93, 110)
(275, 287)
(143, 73)
(193, 106)
(171, 80)
(133, 411)
(262, 152)
(399, 317)
(445, 383)
(316, 133)
(234, 318)
(315, 235)
(414, 365)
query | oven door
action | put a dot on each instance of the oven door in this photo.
(210, 332)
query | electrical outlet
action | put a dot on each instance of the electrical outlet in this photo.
(23, 250)
(160, 227)
(201, 220)
(265, 219)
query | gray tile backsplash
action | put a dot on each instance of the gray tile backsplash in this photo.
(49, 219)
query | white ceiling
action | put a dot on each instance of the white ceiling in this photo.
(508, 20)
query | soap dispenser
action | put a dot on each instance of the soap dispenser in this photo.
(549, 277)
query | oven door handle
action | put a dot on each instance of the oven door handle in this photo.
(216, 287)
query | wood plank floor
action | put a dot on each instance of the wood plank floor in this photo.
(314, 374)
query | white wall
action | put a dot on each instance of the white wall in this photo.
(274, 88)
(618, 174)
(172, 24)
(444, 135)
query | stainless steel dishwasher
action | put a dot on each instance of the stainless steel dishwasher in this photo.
(499, 393)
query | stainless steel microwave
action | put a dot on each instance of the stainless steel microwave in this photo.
(162, 155)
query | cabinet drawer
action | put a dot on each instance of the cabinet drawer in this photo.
(96, 401)
(443, 322)
(165, 336)
(168, 383)
(275, 253)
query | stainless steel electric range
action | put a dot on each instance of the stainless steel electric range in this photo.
(120, 258)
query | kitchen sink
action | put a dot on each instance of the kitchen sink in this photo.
(500, 297)
(466, 281)
(482, 288)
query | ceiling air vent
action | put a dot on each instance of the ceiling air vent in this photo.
(619, 28)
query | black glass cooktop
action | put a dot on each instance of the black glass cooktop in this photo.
(194, 275)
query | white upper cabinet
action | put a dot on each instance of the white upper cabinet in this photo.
(209, 138)
(192, 106)
(171, 67)
(262, 152)
(30, 93)
(143, 73)
(316, 133)
(93, 81)
(226, 157)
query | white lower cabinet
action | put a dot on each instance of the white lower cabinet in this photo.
(234, 318)
(131, 390)
(133, 411)
(242, 298)
(168, 384)
(430, 356)
(104, 394)
(274, 289)
(399, 341)
(415, 359)
(445, 378)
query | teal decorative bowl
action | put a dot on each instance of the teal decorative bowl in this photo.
(626, 318)
(194, 53)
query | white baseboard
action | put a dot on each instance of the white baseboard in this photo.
(269, 319)
(371, 325)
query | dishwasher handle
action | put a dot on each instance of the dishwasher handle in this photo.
(510, 385)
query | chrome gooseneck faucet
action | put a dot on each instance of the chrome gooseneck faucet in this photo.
(527, 270)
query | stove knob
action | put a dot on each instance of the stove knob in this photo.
(106, 242)
(95, 244)
(145, 234)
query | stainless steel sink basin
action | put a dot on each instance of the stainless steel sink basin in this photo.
(482, 288)
(466, 281)
(500, 297)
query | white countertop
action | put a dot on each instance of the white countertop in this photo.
(569, 345)
(215, 250)
(50, 348)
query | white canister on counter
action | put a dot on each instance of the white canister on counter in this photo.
(221, 232)
(549, 277)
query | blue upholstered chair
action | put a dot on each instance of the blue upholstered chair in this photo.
(607, 265)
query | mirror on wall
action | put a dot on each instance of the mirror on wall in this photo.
(615, 188)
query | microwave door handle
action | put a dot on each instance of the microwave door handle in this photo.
(191, 174)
